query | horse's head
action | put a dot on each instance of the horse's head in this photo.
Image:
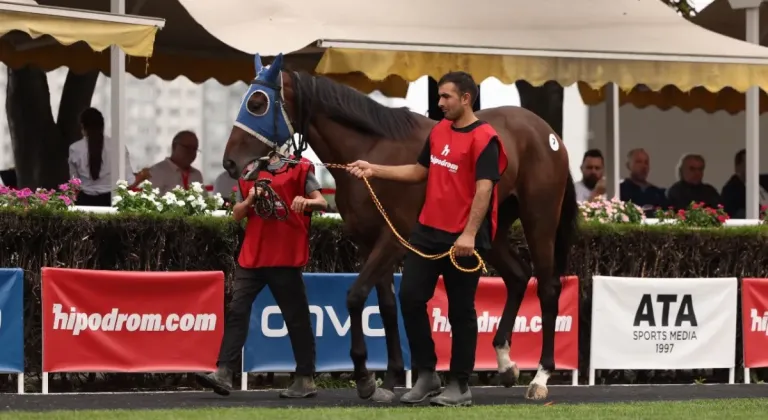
(262, 124)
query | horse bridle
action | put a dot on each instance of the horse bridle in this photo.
(266, 206)
(304, 120)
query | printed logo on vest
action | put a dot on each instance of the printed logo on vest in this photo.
(445, 151)
(434, 160)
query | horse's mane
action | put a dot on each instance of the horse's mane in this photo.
(347, 106)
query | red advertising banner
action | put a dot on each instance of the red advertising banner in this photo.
(754, 321)
(526, 336)
(131, 321)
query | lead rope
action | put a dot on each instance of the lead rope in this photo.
(267, 204)
(450, 253)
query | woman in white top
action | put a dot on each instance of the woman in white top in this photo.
(89, 161)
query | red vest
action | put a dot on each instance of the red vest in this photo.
(272, 242)
(451, 179)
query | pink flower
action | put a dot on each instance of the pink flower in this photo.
(4, 190)
(64, 187)
(42, 196)
(65, 199)
(26, 192)
(74, 181)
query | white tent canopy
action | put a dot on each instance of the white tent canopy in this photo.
(615, 29)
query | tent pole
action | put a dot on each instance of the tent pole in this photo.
(117, 81)
(752, 111)
(612, 152)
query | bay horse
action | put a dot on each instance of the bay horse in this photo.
(343, 125)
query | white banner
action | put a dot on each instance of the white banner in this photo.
(663, 323)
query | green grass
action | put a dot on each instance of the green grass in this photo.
(703, 409)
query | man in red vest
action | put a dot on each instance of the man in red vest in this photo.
(461, 161)
(273, 254)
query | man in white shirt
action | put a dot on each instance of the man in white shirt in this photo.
(177, 169)
(592, 184)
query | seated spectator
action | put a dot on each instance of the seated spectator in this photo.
(592, 184)
(89, 161)
(734, 191)
(177, 169)
(636, 187)
(690, 188)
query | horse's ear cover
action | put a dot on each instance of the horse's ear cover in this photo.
(273, 128)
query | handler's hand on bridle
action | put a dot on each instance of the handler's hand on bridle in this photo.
(360, 169)
(255, 192)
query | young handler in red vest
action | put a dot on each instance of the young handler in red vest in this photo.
(273, 254)
(462, 160)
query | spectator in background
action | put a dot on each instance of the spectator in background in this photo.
(734, 191)
(89, 161)
(636, 187)
(177, 169)
(592, 184)
(690, 188)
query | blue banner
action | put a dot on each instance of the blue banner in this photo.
(268, 348)
(11, 320)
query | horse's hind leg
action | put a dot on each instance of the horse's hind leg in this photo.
(515, 272)
(540, 218)
(385, 290)
(379, 263)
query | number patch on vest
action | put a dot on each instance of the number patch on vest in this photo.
(553, 143)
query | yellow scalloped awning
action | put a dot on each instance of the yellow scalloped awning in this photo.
(670, 78)
(727, 99)
(136, 40)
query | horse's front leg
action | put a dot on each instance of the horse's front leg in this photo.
(379, 262)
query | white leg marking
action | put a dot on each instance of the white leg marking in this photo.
(542, 377)
(502, 358)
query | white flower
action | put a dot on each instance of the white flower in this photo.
(197, 187)
(146, 182)
(116, 199)
(156, 191)
(219, 200)
(122, 184)
(132, 193)
(169, 197)
(159, 206)
(190, 198)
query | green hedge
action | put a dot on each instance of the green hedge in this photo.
(38, 238)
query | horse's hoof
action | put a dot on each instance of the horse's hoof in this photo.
(509, 377)
(536, 392)
(366, 387)
(382, 395)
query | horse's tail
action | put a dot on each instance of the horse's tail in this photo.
(566, 229)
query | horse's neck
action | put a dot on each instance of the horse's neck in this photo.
(338, 149)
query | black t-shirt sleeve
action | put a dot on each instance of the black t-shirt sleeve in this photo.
(488, 163)
(424, 156)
